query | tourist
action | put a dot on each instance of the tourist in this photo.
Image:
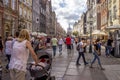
(96, 54)
(60, 44)
(81, 46)
(1, 45)
(68, 43)
(54, 42)
(8, 49)
(20, 55)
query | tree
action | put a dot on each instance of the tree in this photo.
(75, 33)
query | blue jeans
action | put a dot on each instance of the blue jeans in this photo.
(54, 50)
(109, 48)
(8, 57)
(60, 48)
(79, 56)
(96, 57)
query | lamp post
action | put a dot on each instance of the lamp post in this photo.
(90, 22)
(90, 47)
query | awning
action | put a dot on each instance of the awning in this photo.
(114, 27)
(98, 32)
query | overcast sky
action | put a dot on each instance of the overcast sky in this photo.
(68, 11)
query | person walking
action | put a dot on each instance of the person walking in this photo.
(60, 44)
(72, 43)
(80, 49)
(68, 43)
(54, 42)
(96, 54)
(1, 45)
(48, 40)
(20, 55)
(109, 46)
(8, 50)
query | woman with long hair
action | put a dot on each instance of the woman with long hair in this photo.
(96, 54)
(20, 55)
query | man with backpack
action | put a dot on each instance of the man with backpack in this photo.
(80, 49)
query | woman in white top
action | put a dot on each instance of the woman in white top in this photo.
(60, 43)
(20, 55)
(8, 49)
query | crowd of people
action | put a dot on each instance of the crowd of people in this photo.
(17, 50)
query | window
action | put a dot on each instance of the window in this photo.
(13, 4)
(110, 16)
(114, 12)
(109, 1)
(24, 1)
(25, 14)
(6, 2)
(20, 11)
(114, 1)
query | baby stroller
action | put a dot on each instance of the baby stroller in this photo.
(42, 71)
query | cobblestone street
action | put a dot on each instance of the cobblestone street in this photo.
(64, 68)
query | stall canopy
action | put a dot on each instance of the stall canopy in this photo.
(34, 33)
(98, 32)
(43, 34)
(114, 27)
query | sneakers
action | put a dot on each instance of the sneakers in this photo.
(86, 63)
(78, 64)
(102, 68)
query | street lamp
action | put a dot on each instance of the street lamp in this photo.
(90, 47)
(90, 22)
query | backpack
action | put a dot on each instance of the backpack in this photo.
(78, 47)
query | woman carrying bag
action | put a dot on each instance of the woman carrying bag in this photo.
(96, 54)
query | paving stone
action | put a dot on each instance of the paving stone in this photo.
(57, 74)
(59, 69)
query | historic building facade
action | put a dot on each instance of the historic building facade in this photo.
(49, 26)
(43, 16)
(25, 15)
(114, 12)
(1, 18)
(104, 14)
(53, 22)
(10, 17)
(36, 15)
(98, 15)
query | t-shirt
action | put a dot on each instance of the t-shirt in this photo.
(80, 46)
(54, 41)
(8, 48)
(68, 40)
(48, 40)
(109, 42)
(96, 46)
(60, 41)
(72, 41)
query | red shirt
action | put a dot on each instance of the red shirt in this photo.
(68, 40)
